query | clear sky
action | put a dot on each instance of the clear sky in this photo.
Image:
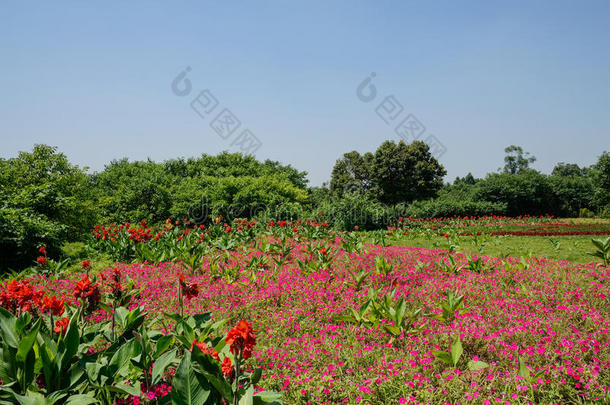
(95, 78)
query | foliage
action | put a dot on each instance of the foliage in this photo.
(45, 200)
(395, 173)
(516, 160)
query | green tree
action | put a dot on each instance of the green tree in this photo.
(44, 200)
(404, 173)
(600, 175)
(352, 174)
(562, 169)
(516, 160)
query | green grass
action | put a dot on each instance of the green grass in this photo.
(571, 248)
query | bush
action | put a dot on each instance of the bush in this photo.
(45, 201)
(449, 208)
(355, 210)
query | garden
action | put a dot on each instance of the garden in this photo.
(295, 312)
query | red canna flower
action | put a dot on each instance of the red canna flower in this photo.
(20, 295)
(43, 250)
(227, 368)
(241, 339)
(61, 326)
(86, 265)
(53, 305)
(88, 292)
(42, 260)
(205, 349)
(189, 290)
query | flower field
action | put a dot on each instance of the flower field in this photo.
(339, 321)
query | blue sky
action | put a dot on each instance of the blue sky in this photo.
(94, 78)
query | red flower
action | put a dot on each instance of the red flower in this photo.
(88, 292)
(86, 265)
(42, 260)
(43, 250)
(61, 326)
(189, 290)
(53, 305)
(205, 349)
(323, 251)
(20, 295)
(241, 339)
(227, 368)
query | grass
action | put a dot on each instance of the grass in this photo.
(571, 248)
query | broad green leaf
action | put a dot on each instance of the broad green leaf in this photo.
(187, 388)
(163, 344)
(120, 358)
(267, 398)
(27, 342)
(456, 351)
(128, 389)
(477, 365)
(7, 325)
(161, 365)
(256, 376)
(81, 399)
(443, 356)
(523, 370)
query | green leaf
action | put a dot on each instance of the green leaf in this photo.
(187, 388)
(267, 397)
(256, 376)
(69, 345)
(392, 329)
(27, 342)
(456, 351)
(124, 388)
(443, 356)
(81, 399)
(477, 365)
(7, 325)
(161, 364)
(523, 370)
(163, 344)
(31, 398)
(120, 358)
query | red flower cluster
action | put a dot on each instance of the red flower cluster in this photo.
(88, 292)
(53, 305)
(86, 265)
(42, 260)
(61, 326)
(227, 368)
(189, 290)
(241, 339)
(20, 295)
(226, 365)
(205, 349)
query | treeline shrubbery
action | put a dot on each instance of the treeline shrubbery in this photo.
(45, 200)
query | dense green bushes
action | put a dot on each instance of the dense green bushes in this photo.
(231, 185)
(44, 200)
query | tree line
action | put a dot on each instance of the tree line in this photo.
(44, 199)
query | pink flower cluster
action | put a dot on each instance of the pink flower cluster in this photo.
(554, 317)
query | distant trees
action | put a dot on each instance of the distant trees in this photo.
(516, 160)
(229, 184)
(395, 173)
(600, 175)
(44, 200)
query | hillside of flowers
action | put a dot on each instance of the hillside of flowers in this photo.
(332, 319)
